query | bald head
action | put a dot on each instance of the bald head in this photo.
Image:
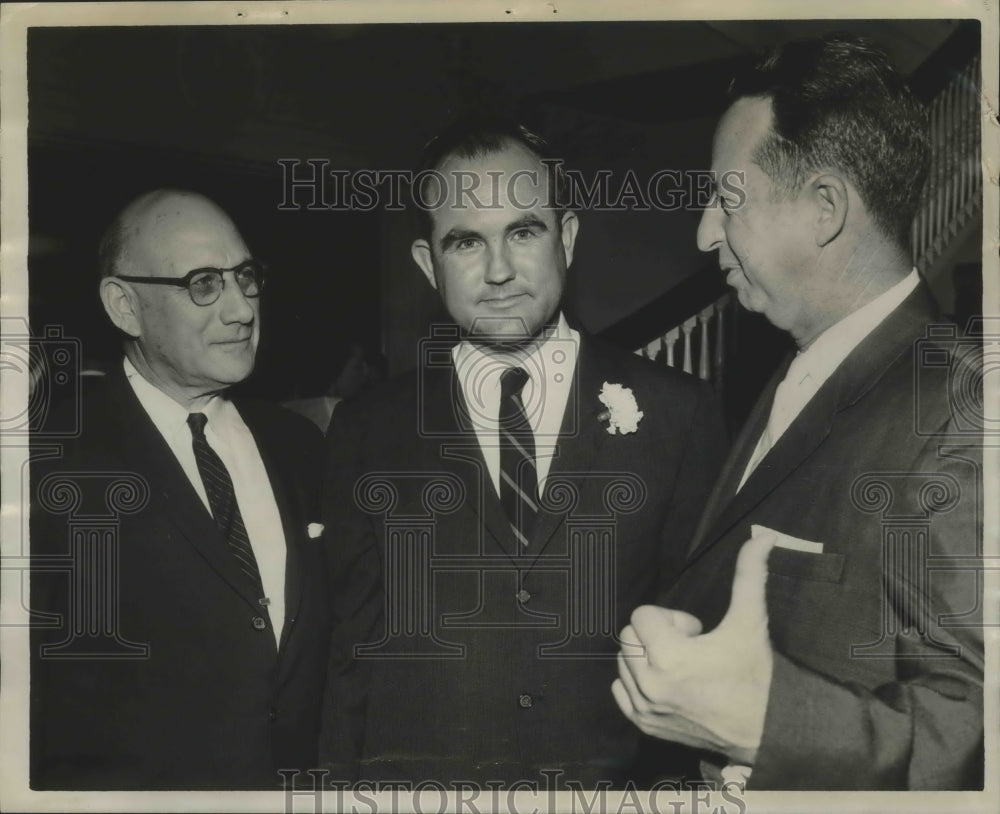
(152, 219)
(187, 350)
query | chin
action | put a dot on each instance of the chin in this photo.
(233, 374)
(747, 300)
(505, 329)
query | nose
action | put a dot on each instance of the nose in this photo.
(236, 307)
(498, 266)
(711, 233)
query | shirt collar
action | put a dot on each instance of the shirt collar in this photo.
(832, 346)
(474, 363)
(164, 411)
(479, 373)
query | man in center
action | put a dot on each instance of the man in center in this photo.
(495, 516)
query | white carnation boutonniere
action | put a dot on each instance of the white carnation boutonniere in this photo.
(622, 414)
(314, 530)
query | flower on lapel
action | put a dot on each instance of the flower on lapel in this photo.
(623, 414)
(736, 774)
(314, 530)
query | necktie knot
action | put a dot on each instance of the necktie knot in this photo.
(512, 381)
(197, 422)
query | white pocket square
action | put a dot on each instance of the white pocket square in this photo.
(314, 530)
(786, 540)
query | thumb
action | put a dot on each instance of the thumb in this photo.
(659, 630)
(648, 620)
(748, 605)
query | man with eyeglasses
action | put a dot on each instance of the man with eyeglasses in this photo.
(189, 651)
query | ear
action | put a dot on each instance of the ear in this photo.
(830, 193)
(421, 251)
(570, 226)
(121, 305)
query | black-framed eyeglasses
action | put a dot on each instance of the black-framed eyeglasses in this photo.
(204, 286)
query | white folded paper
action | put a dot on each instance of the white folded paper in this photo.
(786, 540)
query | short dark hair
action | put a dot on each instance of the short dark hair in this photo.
(838, 102)
(475, 137)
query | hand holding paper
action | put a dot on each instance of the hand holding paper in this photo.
(707, 691)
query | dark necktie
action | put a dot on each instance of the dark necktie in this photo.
(222, 498)
(518, 476)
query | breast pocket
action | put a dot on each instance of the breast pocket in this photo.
(812, 613)
(786, 562)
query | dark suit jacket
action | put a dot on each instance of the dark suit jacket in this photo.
(496, 663)
(214, 703)
(878, 646)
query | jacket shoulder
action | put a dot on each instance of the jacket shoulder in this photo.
(393, 397)
(280, 420)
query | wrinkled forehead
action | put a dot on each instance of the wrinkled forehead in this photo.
(176, 235)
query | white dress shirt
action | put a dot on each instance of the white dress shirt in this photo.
(234, 443)
(814, 365)
(550, 366)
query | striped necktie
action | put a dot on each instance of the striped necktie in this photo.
(518, 478)
(222, 498)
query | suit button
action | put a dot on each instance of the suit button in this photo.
(524, 701)
(523, 596)
(272, 714)
(258, 623)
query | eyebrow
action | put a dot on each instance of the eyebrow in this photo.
(527, 221)
(453, 236)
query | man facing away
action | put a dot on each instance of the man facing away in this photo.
(492, 516)
(851, 656)
(187, 649)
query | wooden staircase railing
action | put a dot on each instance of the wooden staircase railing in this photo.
(697, 345)
(953, 192)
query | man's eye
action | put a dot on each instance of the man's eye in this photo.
(523, 234)
(466, 243)
(204, 283)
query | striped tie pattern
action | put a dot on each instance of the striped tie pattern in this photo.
(222, 499)
(518, 475)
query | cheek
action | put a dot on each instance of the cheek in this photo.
(735, 232)
(457, 282)
(553, 272)
(255, 330)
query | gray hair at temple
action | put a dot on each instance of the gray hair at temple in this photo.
(838, 103)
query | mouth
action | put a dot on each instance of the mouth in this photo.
(733, 274)
(234, 342)
(503, 303)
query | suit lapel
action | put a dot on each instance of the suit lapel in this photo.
(453, 442)
(855, 376)
(736, 463)
(293, 523)
(581, 437)
(798, 442)
(171, 493)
